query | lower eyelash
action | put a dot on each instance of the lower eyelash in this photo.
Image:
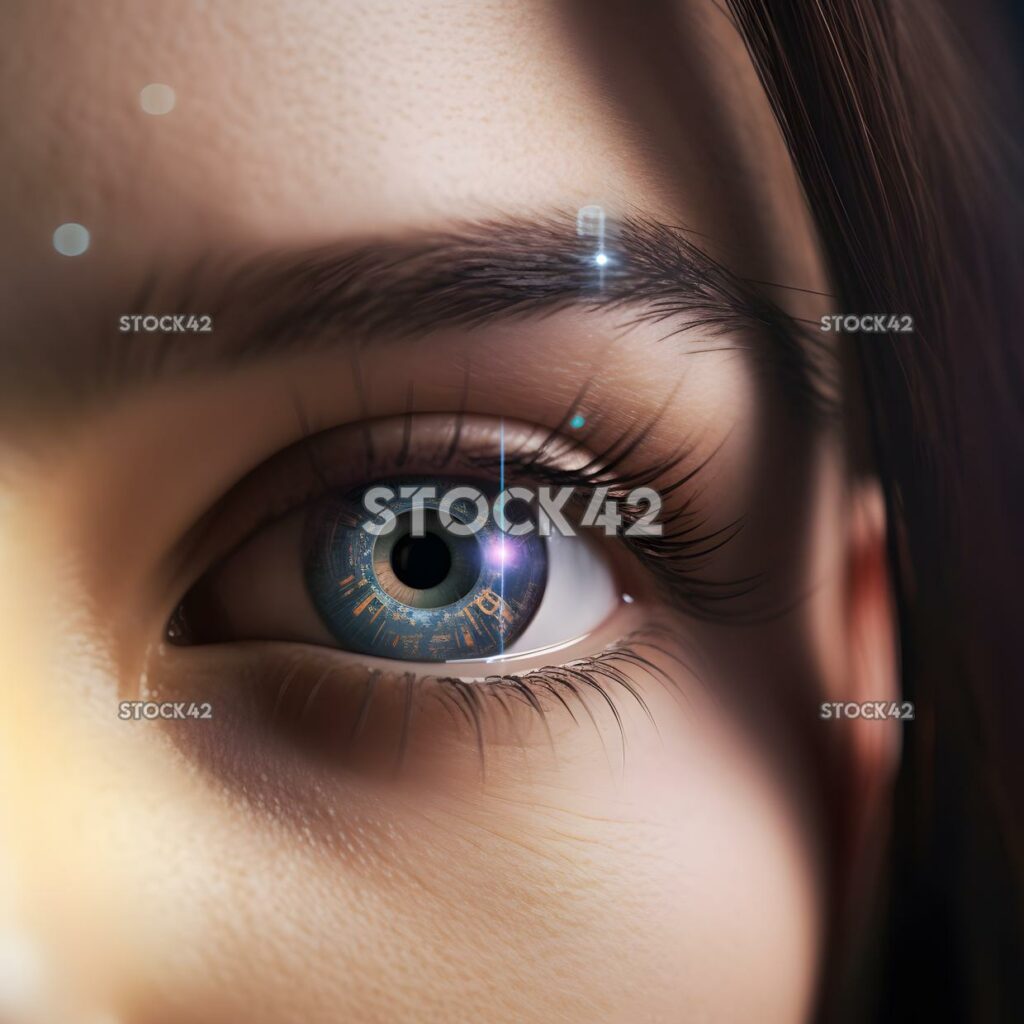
(568, 688)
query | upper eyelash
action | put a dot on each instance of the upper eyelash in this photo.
(676, 559)
(686, 539)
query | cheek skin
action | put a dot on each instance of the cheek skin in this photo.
(567, 891)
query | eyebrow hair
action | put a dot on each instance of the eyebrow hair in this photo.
(284, 302)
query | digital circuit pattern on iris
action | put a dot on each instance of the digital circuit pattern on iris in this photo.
(426, 594)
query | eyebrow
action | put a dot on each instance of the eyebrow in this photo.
(284, 302)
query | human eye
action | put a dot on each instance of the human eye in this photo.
(372, 573)
(427, 568)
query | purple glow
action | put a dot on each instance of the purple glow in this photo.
(501, 552)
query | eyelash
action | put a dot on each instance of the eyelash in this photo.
(541, 691)
(675, 555)
(575, 678)
(675, 559)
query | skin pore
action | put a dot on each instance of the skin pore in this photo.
(222, 871)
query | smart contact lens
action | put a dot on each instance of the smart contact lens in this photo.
(421, 592)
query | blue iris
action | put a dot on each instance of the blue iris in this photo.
(429, 596)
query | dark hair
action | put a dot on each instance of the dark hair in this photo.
(898, 118)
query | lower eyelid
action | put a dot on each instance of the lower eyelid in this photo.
(366, 714)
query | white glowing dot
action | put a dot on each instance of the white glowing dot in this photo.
(157, 98)
(71, 239)
(499, 554)
(601, 259)
(628, 598)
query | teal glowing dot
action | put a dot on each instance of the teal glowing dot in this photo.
(577, 421)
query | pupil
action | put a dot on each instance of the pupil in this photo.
(421, 562)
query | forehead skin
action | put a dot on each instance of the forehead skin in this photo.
(312, 120)
(309, 121)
